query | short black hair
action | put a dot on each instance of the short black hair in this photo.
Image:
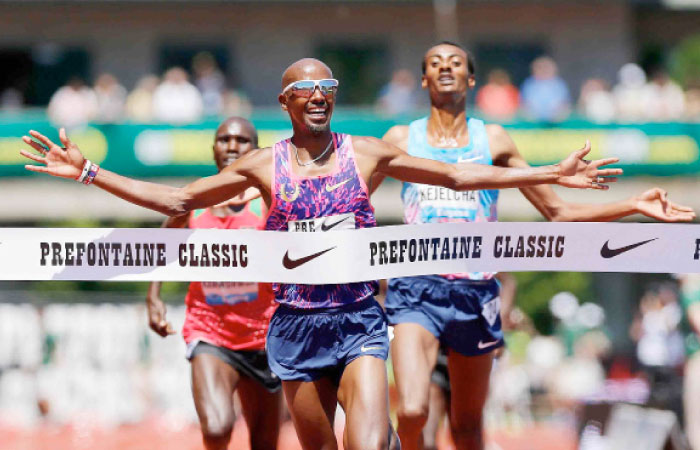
(471, 66)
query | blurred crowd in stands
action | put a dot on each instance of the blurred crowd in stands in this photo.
(179, 98)
(545, 97)
(174, 98)
(93, 365)
(99, 365)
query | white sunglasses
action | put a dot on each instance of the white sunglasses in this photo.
(306, 88)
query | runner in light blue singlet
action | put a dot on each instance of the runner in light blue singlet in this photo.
(461, 310)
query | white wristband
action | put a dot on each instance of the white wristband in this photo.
(86, 168)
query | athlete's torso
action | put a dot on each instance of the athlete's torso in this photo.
(339, 200)
(434, 204)
(234, 315)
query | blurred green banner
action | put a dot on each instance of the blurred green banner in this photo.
(152, 150)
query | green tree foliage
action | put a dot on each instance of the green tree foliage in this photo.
(535, 289)
(685, 62)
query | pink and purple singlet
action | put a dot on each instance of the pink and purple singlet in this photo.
(339, 200)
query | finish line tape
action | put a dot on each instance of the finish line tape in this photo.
(147, 254)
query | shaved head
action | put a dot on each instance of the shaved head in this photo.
(245, 125)
(310, 113)
(306, 69)
(234, 137)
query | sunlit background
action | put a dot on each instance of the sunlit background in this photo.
(141, 87)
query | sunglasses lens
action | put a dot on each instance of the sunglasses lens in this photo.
(303, 88)
(328, 87)
(306, 88)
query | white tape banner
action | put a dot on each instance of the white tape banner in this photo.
(138, 254)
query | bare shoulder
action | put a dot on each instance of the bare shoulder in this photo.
(255, 164)
(501, 145)
(397, 135)
(257, 159)
(497, 134)
(368, 145)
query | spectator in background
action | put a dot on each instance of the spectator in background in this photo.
(545, 95)
(690, 297)
(596, 102)
(580, 377)
(176, 100)
(692, 105)
(111, 99)
(660, 348)
(236, 103)
(659, 343)
(399, 96)
(498, 99)
(628, 93)
(210, 82)
(139, 103)
(11, 99)
(663, 99)
(73, 105)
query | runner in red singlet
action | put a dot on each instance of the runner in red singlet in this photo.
(226, 322)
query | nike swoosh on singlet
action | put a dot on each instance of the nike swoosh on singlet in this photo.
(290, 263)
(331, 188)
(472, 159)
(325, 227)
(607, 252)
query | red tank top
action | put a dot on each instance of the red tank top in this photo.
(229, 314)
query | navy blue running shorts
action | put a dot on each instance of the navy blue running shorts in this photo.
(307, 344)
(463, 314)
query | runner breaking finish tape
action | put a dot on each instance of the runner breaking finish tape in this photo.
(344, 256)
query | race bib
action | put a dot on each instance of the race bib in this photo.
(491, 309)
(229, 293)
(441, 197)
(322, 224)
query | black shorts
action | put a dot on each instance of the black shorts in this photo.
(252, 364)
(440, 375)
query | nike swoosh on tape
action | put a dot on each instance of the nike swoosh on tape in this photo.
(290, 263)
(483, 345)
(326, 228)
(607, 252)
(330, 188)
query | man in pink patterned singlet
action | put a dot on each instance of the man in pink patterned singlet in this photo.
(327, 343)
(226, 322)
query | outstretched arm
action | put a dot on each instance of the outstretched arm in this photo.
(572, 172)
(397, 136)
(653, 203)
(67, 162)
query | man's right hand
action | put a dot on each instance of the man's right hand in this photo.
(64, 162)
(156, 317)
(576, 172)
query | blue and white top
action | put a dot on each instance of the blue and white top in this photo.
(434, 204)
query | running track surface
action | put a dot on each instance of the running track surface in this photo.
(156, 435)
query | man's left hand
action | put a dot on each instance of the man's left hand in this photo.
(654, 203)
